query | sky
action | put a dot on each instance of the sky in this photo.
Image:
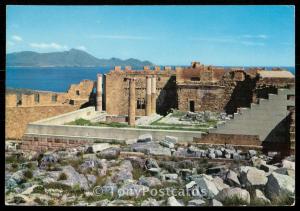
(164, 35)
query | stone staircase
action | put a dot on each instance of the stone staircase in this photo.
(98, 116)
(147, 120)
(260, 119)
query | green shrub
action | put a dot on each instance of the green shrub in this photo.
(234, 201)
(38, 201)
(39, 189)
(51, 202)
(28, 174)
(283, 200)
(18, 200)
(14, 166)
(62, 176)
(76, 190)
(82, 121)
(57, 185)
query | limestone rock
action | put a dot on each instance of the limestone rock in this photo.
(196, 202)
(144, 138)
(218, 153)
(286, 171)
(110, 153)
(257, 162)
(74, 178)
(124, 173)
(172, 139)
(279, 185)
(233, 192)
(150, 202)
(172, 201)
(259, 195)
(206, 184)
(268, 168)
(219, 183)
(168, 144)
(151, 163)
(253, 178)
(98, 147)
(215, 203)
(119, 202)
(232, 179)
(211, 155)
(149, 181)
(252, 153)
(166, 177)
(288, 164)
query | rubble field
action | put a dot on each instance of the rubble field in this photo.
(148, 173)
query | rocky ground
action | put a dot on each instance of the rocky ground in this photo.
(148, 173)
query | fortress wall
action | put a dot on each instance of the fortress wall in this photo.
(40, 105)
(17, 118)
(11, 100)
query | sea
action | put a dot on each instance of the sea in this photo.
(57, 79)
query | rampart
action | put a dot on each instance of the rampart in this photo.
(22, 109)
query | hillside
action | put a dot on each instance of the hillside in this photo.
(71, 58)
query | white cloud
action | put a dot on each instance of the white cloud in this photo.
(120, 37)
(17, 38)
(82, 47)
(259, 36)
(52, 45)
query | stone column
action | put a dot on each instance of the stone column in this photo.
(153, 95)
(132, 102)
(148, 95)
(99, 92)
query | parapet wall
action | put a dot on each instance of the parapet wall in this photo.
(21, 109)
(77, 93)
(17, 118)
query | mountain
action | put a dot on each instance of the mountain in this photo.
(71, 58)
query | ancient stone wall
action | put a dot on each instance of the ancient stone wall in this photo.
(82, 92)
(204, 97)
(221, 90)
(117, 91)
(50, 143)
(22, 109)
(232, 139)
(17, 118)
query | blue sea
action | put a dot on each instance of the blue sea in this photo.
(57, 79)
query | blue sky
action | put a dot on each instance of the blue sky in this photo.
(176, 35)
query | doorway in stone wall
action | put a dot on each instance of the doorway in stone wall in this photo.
(192, 106)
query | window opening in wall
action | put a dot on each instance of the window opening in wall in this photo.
(192, 106)
(54, 98)
(19, 99)
(77, 92)
(37, 98)
(140, 104)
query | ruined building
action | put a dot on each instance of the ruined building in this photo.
(194, 88)
(261, 102)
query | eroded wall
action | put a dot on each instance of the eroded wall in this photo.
(117, 90)
(25, 108)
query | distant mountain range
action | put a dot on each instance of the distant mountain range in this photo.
(71, 58)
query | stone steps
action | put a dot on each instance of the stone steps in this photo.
(259, 119)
